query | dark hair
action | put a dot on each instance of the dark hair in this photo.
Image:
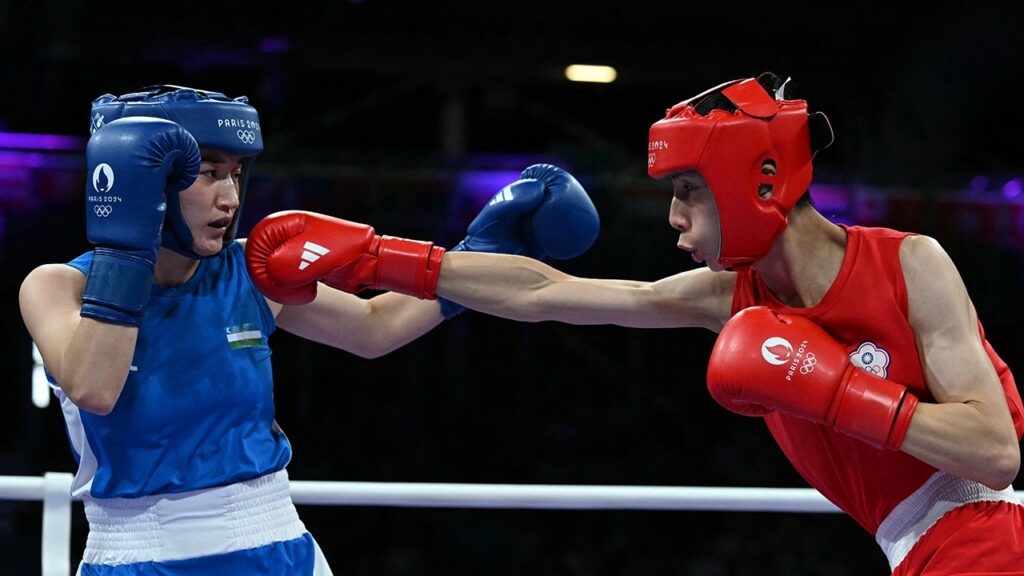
(805, 200)
(770, 81)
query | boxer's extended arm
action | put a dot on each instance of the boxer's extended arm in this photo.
(545, 212)
(369, 327)
(90, 359)
(524, 289)
(968, 431)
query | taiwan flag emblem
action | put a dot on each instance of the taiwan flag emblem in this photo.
(871, 358)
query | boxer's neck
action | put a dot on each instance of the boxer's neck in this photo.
(804, 260)
(173, 269)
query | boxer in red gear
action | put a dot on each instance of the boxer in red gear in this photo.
(920, 449)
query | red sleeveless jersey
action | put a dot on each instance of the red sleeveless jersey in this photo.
(865, 309)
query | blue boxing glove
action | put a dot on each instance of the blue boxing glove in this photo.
(545, 214)
(565, 224)
(133, 164)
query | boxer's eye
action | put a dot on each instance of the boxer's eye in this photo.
(682, 191)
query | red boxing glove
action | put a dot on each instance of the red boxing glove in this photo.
(763, 362)
(288, 252)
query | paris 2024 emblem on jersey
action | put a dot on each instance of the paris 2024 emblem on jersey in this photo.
(872, 358)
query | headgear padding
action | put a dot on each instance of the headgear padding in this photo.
(216, 122)
(729, 149)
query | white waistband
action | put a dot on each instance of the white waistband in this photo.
(191, 524)
(912, 517)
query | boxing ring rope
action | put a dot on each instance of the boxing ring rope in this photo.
(54, 491)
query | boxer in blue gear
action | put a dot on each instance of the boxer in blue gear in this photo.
(155, 342)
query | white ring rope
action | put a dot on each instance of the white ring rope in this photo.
(530, 496)
(54, 490)
(561, 497)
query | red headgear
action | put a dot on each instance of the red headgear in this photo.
(729, 150)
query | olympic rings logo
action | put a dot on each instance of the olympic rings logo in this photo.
(102, 210)
(246, 136)
(876, 370)
(809, 362)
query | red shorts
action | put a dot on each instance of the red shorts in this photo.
(973, 540)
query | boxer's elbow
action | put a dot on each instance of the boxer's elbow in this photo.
(384, 338)
(994, 452)
(96, 400)
(96, 395)
(1003, 464)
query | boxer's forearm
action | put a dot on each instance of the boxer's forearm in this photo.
(88, 358)
(968, 430)
(498, 284)
(366, 327)
(968, 439)
(524, 289)
(95, 364)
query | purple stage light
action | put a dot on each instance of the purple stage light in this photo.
(15, 187)
(481, 185)
(55, 142)
(1012, 188)
(833, 201)
(22, 159)
(40, 159)
(275, 45)
(978, 184)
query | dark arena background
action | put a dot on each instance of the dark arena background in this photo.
(408, 116)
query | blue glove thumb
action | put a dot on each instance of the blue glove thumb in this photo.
(566, 223)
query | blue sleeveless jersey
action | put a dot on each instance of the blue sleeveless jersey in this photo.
(197, 409)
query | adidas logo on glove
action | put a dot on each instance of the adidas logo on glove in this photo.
(311, 253)
(503, 195)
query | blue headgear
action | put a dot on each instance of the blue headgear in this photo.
(214, 120)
